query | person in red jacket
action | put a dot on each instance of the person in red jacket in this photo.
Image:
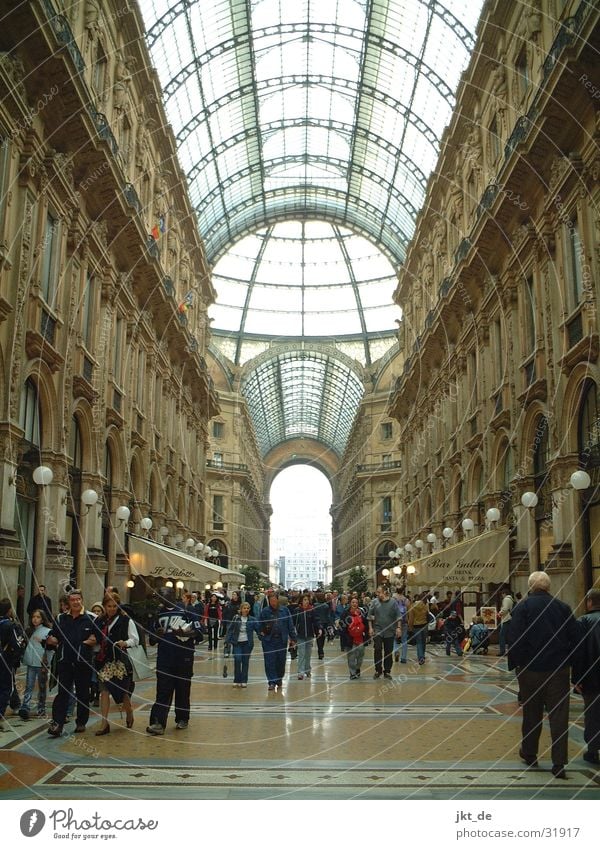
(213, 615)
(355, 633)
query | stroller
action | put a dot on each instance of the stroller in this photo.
(480, 638)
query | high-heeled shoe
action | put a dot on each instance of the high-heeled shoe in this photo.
(129, 720)
(104, 730)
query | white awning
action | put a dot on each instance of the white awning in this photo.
(481, 559)
(160, 561)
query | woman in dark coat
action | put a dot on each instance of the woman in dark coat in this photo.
(213, 615)
(116, 633)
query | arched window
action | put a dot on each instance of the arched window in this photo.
(29, 417)
(588, 431)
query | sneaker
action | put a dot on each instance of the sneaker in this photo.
(55, 730)
(591, 757)
(353, 677)
(403, 660)
(377, 675)
(155, 729)
(181, 725)
(79, 729)
(271, 687)
(24, 714)
(300, 677)
(422, 661)
(307, 675)
(386, 675)
(243, 686)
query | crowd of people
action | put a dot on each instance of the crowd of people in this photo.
(90, 655)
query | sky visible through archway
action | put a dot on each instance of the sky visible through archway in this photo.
(301, 523)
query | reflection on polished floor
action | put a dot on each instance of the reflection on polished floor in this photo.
(446, 730)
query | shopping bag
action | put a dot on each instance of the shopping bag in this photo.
(139, 663)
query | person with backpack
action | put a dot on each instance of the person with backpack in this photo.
(355, 633)
(36, 661)
(12, 647)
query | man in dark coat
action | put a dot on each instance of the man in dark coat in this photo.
(41, 602)
(586, 673)
(543, 634)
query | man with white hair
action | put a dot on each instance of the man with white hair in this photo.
(543, 634)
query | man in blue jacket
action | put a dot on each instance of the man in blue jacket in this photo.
(276, 631)
(543, 634)
(176, 631)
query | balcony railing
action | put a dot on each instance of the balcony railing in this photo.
(379, 467)
(227, 467)
(169, 286)
(131, 196)
(48, 327)
(64, 35)
(152, 246)
(565, 36)
(103, 129)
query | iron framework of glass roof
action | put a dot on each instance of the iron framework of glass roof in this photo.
(322, 116)
(302, 394)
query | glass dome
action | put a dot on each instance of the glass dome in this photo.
(304, 279)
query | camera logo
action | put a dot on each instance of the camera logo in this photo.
(32, 822)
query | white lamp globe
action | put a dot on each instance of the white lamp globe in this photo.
(179, 585)
(146, 523)
(529, 499)
(89, 497)
(392, 554)
(385, 572)
(410, 570)
(169, 584)
(189, 543)
(468, 524)
(218, 585)
(43, 475)
(419, 543)
(214, 553)
(123, 513)
(206, 586)
(131, 583)
(199, 547)
(399, 552)
(408, 548)
(397, 570)
(493, 514)
(447, 533)
(164, 531)
(431, 538)
(580, 479)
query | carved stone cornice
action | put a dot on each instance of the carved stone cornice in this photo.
(586, 350)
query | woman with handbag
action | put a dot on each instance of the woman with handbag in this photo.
(117, 633)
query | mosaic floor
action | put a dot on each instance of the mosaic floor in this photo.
(447, 730)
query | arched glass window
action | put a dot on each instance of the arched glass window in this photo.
(588, 432)
(29, 416)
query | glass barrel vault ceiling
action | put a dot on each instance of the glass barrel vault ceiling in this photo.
(303, 125)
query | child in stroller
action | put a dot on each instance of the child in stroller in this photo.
(479, 635)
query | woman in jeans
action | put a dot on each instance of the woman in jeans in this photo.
(240, 635)
(213, 615)
(418, 621)
(36, 662)
(306, 626)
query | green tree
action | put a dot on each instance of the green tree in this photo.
(252, 577)
(357, 580)
(336, 586)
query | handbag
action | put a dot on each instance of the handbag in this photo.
(114, 669)
(139, 663)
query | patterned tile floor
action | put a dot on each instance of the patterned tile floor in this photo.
(447, 730)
